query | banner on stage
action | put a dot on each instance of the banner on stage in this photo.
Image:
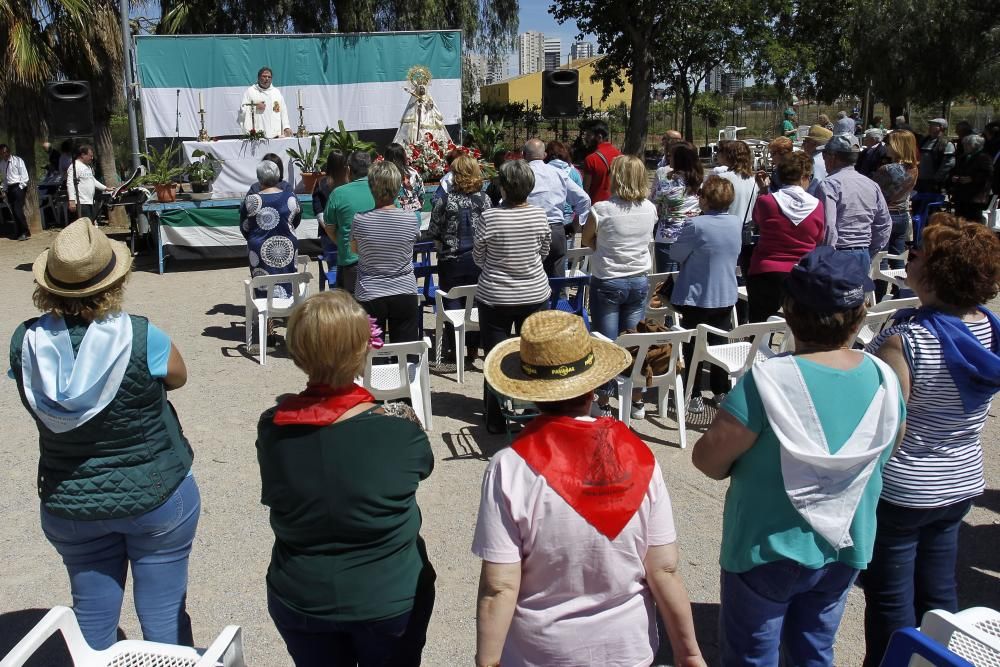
(357, 78)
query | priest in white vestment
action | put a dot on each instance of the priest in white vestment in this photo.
(264, 109)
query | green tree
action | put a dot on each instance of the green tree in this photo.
(29, 61)
(709, 109)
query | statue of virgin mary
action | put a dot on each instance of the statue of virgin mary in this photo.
(421, 114)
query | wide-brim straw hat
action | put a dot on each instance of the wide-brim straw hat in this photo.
(819, 134)
(554, 359)
(82, 262)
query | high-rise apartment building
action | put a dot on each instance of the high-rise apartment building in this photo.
(553, 52)
(581, 50)
(530, 52)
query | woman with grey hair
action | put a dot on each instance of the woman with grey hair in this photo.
(970, 180)
(383, 239)
(509, 247)
(268, 218)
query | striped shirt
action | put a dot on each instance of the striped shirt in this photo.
(940, 461)
(509, 247)
(385, 238)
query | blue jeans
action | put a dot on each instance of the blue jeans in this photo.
(390, 642)
(617, 304)
(782, 607)
(863, 256)
(157, 544)
(662, 261)
(912, 570)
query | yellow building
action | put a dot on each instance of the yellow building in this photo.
(528, 88)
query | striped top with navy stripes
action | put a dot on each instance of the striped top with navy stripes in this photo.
(940, 461)
(509, 246)
(385, 238)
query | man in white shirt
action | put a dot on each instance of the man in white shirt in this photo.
(812, 145)
(14, 188)
(82, 185)
(263, 108)
(553, 188)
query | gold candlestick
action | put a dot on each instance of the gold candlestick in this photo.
(302, 124)
(202, 133)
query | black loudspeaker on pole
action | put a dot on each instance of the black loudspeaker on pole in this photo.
(560, 89)
(70, 110)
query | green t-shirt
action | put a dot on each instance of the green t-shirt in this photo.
(344, 514)
(759, 524)
(345, 202)
(788, 128)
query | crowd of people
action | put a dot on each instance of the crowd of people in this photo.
(842, 463)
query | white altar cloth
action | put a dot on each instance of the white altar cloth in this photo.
(240, 160)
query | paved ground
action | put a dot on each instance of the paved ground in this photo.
(201, 308)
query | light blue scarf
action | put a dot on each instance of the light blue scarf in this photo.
(65, 390)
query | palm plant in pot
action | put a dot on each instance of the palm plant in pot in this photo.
(161, 172)
(311, 162)
(202, 172)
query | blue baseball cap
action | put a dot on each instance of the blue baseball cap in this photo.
(828, 280)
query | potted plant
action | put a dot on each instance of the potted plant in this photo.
(202, 172)
(310, 162)
(486, 135)
(160, 172)
(348, 142)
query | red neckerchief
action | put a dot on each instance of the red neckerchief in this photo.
(600, 468)
(320, 405)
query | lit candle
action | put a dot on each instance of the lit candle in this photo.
(201, 102)
(300, 96)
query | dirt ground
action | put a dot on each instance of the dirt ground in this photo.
(201, 307)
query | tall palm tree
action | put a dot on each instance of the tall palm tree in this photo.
(29, 62)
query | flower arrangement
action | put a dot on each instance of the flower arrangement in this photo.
(429, 157)
(375, 341)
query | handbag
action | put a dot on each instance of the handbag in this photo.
(657, 360)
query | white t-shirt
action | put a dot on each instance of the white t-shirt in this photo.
(624, 230)
(583, 598)
(745, 190)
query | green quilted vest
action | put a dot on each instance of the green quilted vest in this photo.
(126, 460)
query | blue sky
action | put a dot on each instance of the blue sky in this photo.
(534, 15)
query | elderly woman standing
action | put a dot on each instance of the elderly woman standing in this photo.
(569, 574)
(383, 239)
(618, 230)
(791, 224)
(947, 357)
(970, 180)
(802, 439)
(509, 248)
(675, 194)
(705, 290)
(114, 475)
(349, 581)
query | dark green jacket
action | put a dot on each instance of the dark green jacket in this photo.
(126, 460)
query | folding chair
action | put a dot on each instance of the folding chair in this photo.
(738, 355)
(462, 320)
(664, 383)
(270, 305)
(424, 269)
(226, 650)
(922, 205)
(327, 262)
(403, 379)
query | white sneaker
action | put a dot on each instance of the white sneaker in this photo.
(696, 405)
(638, 410)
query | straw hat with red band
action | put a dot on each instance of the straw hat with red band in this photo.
(82, 262)
(555, 359)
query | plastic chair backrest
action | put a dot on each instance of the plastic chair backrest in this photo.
(759, 333)
(973, 633)
(467, 292)
(422, 253)
(299, 293)
(644, 341)
(907, 644)
(574, 301)
(399, 352)
(578, 261)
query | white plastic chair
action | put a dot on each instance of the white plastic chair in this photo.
(729, 132)
(226, 650)
(879, 314)
(991, 216)
(462, 320)
(669, 381)
(270, 305)
(403, 379)
(660, 314)
(973, 634)
(737, 356)
(895, 277)
(578, 262)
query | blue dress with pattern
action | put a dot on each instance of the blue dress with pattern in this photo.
(268, 221)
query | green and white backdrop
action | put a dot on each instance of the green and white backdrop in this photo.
(356, 78)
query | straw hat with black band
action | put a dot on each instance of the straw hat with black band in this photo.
(82, 262)
(554, 359)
